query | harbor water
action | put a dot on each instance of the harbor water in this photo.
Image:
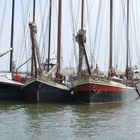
(23, 121)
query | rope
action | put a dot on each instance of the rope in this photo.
(119, 40)
(24, 33)
(97, 28)
(90, 34)
(77, 15)
(73, 24)
(135, 32)
(43, 25)
(44, 31)
(2, 20)
(72, 16)
(97, 32)
(89, 12)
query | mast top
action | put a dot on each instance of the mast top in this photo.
(34, 4)
(82, 14)
(59, 39)
(12, 35)
(110, 74)
(127, 35)
(81, 39)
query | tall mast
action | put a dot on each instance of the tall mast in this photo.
(111, 33)
(82, 24)
(81, 39)
(82, 14)
(49, 43)
(59, 38)
(127, 49)
(34, 3)
(12, 34)
(33, 31)
(32, 61)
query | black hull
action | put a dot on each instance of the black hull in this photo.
(10, 92)
(90, 97)
(42, 92)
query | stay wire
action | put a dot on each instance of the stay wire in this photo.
(73, 52)
(135, 32)
(24, 33)
(101, 32)
(97, 29)
(2, 21)
(45, 23)
(89, 12)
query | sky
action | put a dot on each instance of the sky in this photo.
(96, 24)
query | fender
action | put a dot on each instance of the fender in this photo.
(96, 92)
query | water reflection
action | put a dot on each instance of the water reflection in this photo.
(74, 122)
(42, 119)
(90, 119)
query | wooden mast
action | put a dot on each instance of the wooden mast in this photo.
(59, 38)
(82, 21)
(33, 31)
(81, 39)
(32, 61)
(128, 71)
(34, 3)
(127, 49)
(49, 43)
(111, 33)
(82, 14)
(12, 35)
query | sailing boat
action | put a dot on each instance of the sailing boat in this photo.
(40, 88)
(10, 89)
(89, 88)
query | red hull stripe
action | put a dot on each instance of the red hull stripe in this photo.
(98, 87)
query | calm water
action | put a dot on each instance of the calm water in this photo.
(70, 122)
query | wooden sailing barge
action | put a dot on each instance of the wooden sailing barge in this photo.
(90, 88)
(40, 88)
(10, 89)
